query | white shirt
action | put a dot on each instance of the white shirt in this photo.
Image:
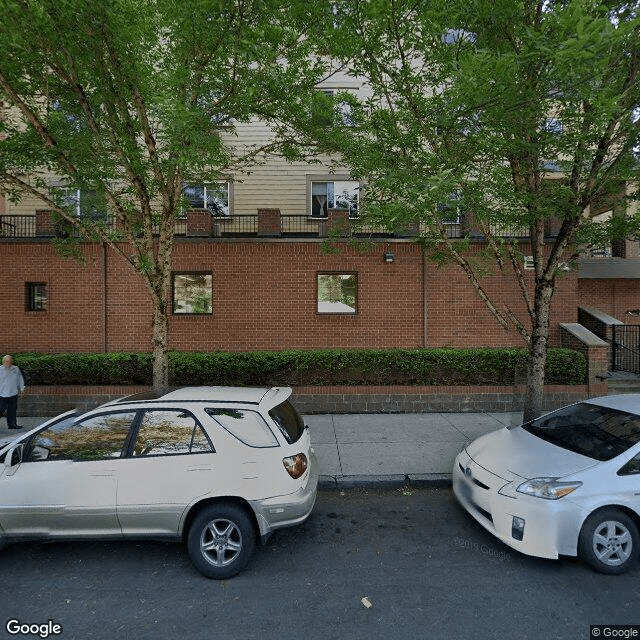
(11, 381)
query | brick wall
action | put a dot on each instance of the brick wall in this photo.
(264, 297)
(457, 317)
(73, 320)
(613, 296)
(199, 222)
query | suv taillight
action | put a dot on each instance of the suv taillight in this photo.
(296, 465)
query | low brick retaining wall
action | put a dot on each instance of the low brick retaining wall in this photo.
(52, 400)
(450, 399)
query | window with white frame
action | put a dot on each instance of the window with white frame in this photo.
(553, 125)
(329, 108)
(213, 196)
(336, 194)
(449, 211)
(86, 203)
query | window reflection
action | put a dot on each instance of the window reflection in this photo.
(97, 438)
(170, 432)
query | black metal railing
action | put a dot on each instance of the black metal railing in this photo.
(23, 226)
(626, 347)
(234, 226)
(301, 225)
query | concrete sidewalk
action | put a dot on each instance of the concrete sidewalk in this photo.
(396, 449)
(382, 448)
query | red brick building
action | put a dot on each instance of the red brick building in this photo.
(261, 293)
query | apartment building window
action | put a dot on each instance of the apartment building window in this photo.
(36, 296)
(192, 293)
(214, 196)
(328, 108)
(449, 211)
(86, 203)
(334, 194)
(553, 125)
(337, 293)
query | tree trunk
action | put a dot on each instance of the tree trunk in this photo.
(160, 346)
(160, 288)
(533, 402)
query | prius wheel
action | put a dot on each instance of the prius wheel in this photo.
(609, 541)
(221, 541)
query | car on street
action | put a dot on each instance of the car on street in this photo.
(567, 483)
(219, 468)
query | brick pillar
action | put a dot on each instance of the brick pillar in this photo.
(199, 223)
(269, 224)
(631, 249)
(338, 222)
(596, 350)
(469, 226)
(46, 226)
(552, 227)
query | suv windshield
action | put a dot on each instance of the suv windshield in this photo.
(288, 420)
(596, 432)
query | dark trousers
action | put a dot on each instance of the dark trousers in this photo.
(10, 405)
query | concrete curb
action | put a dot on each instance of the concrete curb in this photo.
(431, 480)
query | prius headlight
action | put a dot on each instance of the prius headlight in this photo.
(548, 488)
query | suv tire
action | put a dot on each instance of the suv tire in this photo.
(221, 541)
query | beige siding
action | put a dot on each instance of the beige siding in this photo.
(270, 182)
(28, 203)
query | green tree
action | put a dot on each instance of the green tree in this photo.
(128, 100)
(513, 112)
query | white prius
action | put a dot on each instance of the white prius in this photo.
(567, 483)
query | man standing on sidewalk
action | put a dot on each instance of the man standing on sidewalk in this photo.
(11, 386)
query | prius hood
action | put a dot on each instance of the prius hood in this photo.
(515, 453)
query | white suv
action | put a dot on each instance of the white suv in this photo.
(218, 467)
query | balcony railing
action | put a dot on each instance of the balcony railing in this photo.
(17, 226)
(249, 225)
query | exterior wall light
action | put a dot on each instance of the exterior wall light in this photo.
(389, 256)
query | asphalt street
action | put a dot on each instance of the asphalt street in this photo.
(405, 562)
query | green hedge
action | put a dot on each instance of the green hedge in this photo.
(296, 368)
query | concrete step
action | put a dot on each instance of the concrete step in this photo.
(623, 382)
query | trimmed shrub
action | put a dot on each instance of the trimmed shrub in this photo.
(300, 368)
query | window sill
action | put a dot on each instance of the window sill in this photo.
(192, 315)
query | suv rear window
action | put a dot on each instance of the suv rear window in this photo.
(288, 420)
(248, 426)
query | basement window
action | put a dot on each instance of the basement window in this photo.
(36, 296)
(193, 293)
(337, 293)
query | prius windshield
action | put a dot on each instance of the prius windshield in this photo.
(597, 432)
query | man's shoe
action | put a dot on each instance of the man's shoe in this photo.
(16, 427)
